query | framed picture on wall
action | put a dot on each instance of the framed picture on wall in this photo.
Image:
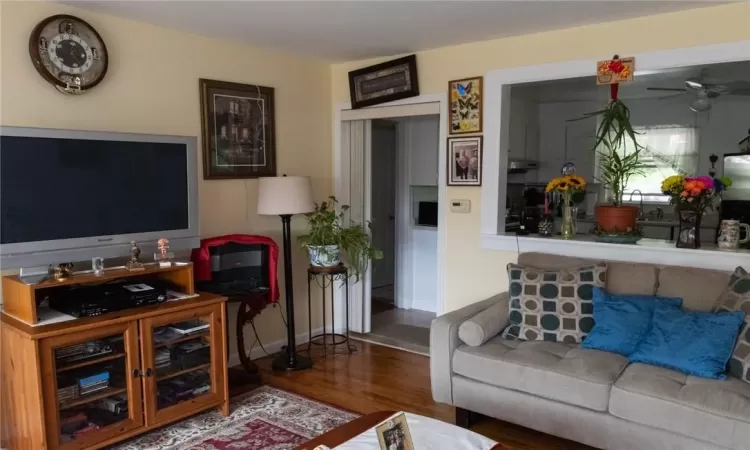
(384, 82)
(464, 163)
(237, 130)
(465, 99)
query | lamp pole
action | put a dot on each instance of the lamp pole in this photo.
(289, 361)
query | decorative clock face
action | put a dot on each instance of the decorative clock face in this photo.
(68, 53)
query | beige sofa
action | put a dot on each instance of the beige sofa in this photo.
(588, 396)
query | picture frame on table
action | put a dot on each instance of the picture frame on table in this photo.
(393, 434)
(237, 130)
(465, 100)
(385, 82)
(464, 165)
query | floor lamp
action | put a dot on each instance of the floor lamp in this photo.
(285, 196)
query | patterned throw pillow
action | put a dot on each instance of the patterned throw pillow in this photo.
(552, 304)
(736, 297)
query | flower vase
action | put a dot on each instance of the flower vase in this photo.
(689, 235)
(569, 227)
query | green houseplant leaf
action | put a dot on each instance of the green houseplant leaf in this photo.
(612, 134)
(327, 228)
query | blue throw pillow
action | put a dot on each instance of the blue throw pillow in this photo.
(621, 322)
(694, 342)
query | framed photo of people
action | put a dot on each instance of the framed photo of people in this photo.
(393, 434)
(464, 163)
(237, 130)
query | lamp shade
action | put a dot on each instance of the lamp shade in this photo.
(284, 195)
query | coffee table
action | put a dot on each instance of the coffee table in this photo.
(359, 434)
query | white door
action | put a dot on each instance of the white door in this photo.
(354, 182)
(383, 200)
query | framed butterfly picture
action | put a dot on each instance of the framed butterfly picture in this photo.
(466, 105)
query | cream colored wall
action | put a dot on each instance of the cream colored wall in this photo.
(473, 273)
(152, 87)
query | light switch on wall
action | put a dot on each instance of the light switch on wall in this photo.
(460, 206)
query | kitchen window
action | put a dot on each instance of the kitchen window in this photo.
(667, 150)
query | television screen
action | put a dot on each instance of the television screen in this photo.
(54, 188)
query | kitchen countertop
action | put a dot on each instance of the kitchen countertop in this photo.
(708, 222)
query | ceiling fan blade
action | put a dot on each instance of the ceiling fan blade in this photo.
(667, 89)
(664, 97)
(738, 92)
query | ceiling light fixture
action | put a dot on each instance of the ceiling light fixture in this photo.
(701, 103)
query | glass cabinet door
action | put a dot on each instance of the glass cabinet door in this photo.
(180, 364)
(91, 384)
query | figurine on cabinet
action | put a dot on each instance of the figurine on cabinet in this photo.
(135, 258)
(164, 256)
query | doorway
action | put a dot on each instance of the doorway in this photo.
(404, 190)
(353, 184)
(383, 212)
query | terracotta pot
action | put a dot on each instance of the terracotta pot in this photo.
(616, 218)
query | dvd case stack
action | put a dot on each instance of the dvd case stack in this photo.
(93, 383)
(162, 360)
(67, 389)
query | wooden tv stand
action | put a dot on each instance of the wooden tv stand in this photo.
(148, 364)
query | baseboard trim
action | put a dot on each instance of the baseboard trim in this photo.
(274, 347)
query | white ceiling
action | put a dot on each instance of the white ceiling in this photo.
(342, 31)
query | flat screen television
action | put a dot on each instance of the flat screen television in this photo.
(73, 195)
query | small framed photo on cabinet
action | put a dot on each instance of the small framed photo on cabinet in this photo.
(464, 163)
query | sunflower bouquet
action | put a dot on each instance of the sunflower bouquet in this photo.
(695, 193)
(567, 184)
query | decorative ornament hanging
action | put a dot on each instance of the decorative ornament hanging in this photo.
(615, 71)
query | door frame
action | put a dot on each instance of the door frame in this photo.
(359, 311)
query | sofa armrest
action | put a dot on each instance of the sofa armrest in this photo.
(444, 340)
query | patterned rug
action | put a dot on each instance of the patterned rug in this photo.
(266, 418)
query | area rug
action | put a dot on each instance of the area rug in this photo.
(264, 419)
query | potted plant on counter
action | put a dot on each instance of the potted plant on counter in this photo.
(328, 239)
(618, 159)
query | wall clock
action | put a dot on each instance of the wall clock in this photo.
(68, 53)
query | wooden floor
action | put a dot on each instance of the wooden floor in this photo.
(380, 378)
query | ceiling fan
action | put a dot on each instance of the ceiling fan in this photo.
(705, 90)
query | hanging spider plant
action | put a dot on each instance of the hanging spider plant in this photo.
(614, 130)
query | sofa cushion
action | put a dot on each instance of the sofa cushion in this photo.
(622, 278)
(710, 410)
(699, 289)
(695, 342)
(487, 324)
(553, 370)
(553, 304)
(621, 322)
(736, 297)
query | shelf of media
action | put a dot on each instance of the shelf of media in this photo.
(88, 398)
(183, 388)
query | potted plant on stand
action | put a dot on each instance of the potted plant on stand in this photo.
(328, 239)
